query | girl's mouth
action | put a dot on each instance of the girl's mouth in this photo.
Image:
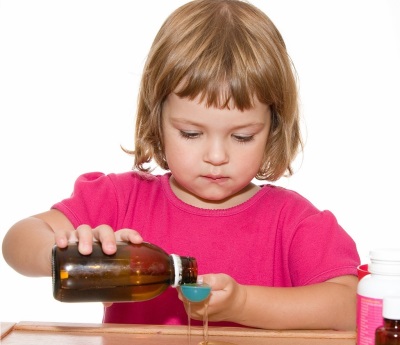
(216, 178)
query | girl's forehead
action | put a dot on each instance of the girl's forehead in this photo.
(186, 109)
(215, 94)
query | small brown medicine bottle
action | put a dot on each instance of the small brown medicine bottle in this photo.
(389, 333)
(136, 272)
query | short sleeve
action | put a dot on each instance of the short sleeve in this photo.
(321, 249)
(93, 201)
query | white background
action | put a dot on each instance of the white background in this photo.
(69, 75)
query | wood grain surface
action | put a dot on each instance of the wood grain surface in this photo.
(47, 333)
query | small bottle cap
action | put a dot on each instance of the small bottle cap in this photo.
(391, 307)
(385, 254)
(385, 261)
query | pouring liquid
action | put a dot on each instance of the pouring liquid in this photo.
(199, 293)
(205, 329)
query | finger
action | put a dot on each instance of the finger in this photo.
(129, 235)
(62, 237)
(105, 234)
(209, 279)
(84, 236)
(180, 295)
(216, 281)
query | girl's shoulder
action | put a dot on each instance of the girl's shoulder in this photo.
(122, 178)
(283, 195)
(123, 183)
(286, 202)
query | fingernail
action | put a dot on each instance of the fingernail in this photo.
(85, 248)
(62, 242)
(110, 247)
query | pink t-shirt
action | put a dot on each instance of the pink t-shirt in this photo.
(276, 238)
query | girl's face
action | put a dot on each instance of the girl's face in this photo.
(213, 153)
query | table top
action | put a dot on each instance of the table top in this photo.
(50, 333)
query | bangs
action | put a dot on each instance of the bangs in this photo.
(217, 87)
(225, 63)
(220, 75)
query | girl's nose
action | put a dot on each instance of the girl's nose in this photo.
(216, 152)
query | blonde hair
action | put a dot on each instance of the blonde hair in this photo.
(226, 52)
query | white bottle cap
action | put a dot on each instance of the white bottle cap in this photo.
(385, 261)
(178, 270)
(391, 307)
(385, 254)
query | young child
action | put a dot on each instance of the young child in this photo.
(218, 107)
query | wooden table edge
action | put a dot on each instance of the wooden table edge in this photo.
(171, 330)
(6, 328)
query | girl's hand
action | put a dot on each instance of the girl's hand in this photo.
(85, 236)
(225, 303)
(28, 244)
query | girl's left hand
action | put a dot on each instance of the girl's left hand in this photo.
(226, 300)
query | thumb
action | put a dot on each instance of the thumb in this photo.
(216, 281)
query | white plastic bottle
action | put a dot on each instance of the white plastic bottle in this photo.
(384, 280)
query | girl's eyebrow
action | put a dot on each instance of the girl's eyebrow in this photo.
(181, 119)
(184, 121)
(253, 125)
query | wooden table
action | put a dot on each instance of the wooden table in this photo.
(47, 333)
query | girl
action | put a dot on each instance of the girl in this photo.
(218, 107)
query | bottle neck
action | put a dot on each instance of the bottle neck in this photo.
(185, 269)
(394, 325)
(189, 270)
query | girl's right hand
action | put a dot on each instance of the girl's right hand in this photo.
(85, 236)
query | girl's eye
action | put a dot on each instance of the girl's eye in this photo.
(243, 138)
(189, 134)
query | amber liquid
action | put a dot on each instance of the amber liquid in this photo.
(128, 275)
(205, 329)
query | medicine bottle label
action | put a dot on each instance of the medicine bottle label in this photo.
(369, 318)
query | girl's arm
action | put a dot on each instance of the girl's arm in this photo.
(327, 305)
(28, 244)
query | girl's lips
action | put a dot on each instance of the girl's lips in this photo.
(215, 177)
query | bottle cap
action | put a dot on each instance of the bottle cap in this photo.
(185, 268)
(385, 261)
(176, 259)
(385, 254)
(391, 307)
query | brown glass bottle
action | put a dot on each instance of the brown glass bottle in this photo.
(389, 333)
(136, 272)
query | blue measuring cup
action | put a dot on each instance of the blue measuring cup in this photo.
(197, 292)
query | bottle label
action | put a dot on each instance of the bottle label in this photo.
(369, 318)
